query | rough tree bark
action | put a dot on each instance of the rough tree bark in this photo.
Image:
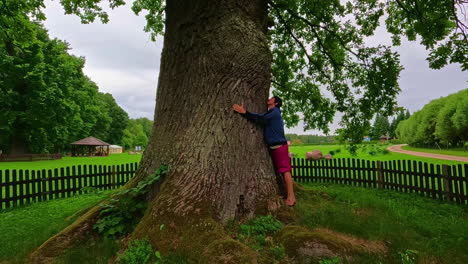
(215, 54)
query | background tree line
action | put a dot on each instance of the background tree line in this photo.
(46, 100)
(310, 139)
(444, 121)
(382, 127)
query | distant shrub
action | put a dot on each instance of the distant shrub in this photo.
(385, 152)
(332, 152)
(396, 141)
(373, 153)
(338, 150)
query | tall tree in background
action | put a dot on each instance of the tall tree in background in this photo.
(118, 117)
(46, 100)
(217, 53)
(401, 115)
(380, 128)
(137, 133)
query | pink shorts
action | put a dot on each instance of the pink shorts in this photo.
(281, 158)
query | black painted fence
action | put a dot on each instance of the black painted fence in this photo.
(19, 187)
(443, 182)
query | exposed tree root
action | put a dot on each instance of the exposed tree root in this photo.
(57, 244)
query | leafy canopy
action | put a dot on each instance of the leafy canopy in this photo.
(320, 63)
(47, 101)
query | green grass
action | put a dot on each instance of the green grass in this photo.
(452, 152)
(23, 229)
(363, 153)
(437, 230)
(113, 159)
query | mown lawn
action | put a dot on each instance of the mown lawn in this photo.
(428, 230)
(366, 152)
(453, 151)
(113, 159)
(436, 231)
(23, 229)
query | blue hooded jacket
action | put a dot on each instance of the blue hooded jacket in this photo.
(272, 121)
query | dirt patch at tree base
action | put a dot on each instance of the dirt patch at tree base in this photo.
(309, 246)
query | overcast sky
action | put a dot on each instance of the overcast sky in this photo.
(123, 61)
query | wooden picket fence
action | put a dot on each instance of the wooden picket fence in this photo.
(19, 187)
(443, 182)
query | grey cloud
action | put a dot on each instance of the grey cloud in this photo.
(122, 60)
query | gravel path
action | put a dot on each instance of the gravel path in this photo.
(397, 148)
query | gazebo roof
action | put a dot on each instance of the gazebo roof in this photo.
(90, 141)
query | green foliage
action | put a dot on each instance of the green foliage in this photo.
(138, 252)
(278, 252)
(444, 120)
(141, 252)
(118, 119)
(310, 139)
(137, 133)
(335, 260)
(262, 225)
(409, 256)
(121, 214)
(47, 101)
(257, 232)
(380, 128)
(315, 47)
(401, 115)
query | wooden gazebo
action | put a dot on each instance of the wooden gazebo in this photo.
(89, 146)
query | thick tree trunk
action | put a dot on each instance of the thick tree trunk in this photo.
(215, 54)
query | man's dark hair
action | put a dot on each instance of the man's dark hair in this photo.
(278, 101)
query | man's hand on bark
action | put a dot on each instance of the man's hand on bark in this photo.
(239, 108)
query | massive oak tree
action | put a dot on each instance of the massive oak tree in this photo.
(217, 53)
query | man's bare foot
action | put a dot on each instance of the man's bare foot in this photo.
(290, 202)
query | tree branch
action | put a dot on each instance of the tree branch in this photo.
(460, 25)
(291, 33)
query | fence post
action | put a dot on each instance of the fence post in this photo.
(447, 182)
(113, 177)
(379, 174)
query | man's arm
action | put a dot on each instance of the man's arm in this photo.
(254, 117)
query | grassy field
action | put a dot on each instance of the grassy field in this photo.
(366, 152)
(23, 229)
(433, 231)
(112, 159)
(437, 231)
(453, 152)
